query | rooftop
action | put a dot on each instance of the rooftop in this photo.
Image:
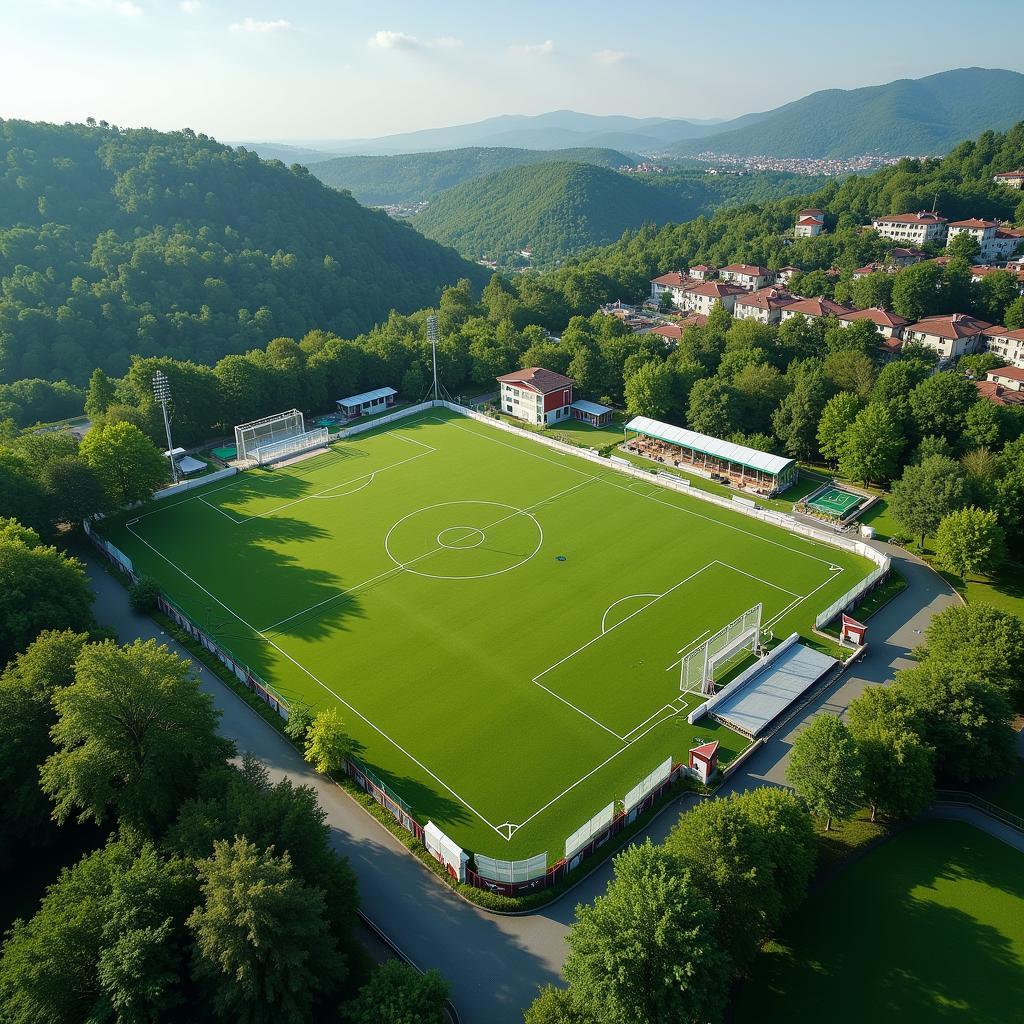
(818, 307)
(747, 270)
(974, 223)
(1008, 372)
(538, 379)
(877, 315)
(997, 393)
(366, 396)
(767, 298)
(921, 217)
(952, 325)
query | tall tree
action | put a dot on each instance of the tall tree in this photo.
(970, 540)
(126, 462)
(939, 404)
(825, 769)
(402, 995)
(714, 408)
(73, 490)
(134, 731)
(327, 743)
(870, 448)
(99, 394)
(649, 391)
(839, 412)
(645, 952)
(928, 491)
(795, 421)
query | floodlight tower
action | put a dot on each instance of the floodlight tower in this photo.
(432, 338)
(162, 393)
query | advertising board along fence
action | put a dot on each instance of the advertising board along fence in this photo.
(391, 417)
(600, 822)
(647, 785)
(445, 851)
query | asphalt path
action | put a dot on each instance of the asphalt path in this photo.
(494, 963)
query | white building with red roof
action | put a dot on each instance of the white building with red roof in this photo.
(998, 393)
(904, 257)
(995, 242)
(951, 335)
(815, 308)
(888, 325)
(701, 272)
(1014, 179)
(809, 224)
(765, 305)
(536, 395)
(675, 282)
(1009, 377)
(702, 298)
(747, 276)
(785, 274)
(1008, 345)
(911, 228)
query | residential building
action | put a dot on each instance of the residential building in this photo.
(815, 308)
(765, 305)
(889, 325)
(903, 257)
(994, 241)
(1015, 266)
(675, 282)
(701, 298)
(1009, 377)
(536, 395)
(870, 268)
(951, 335)
(809, 224)
(999, 394)
(980, 272)
(784, 275)
(670, 332)
(1015, 179)
(702, 273)
(747, 276)
(1008, 345)
(915, 228)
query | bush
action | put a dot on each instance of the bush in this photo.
(142, 596)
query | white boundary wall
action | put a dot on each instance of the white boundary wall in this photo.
(199, 481)
(647, 785)
(445, 850)
(361, 428)
(597, 824)
(511, 870)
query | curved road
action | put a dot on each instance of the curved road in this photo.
(495, 964)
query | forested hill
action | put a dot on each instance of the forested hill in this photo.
(924, 116)
(119, 242)
(379, 180)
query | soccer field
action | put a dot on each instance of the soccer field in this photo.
(500, 624)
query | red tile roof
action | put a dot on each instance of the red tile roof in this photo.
(674, 278)
(537, 379)
(747, 270)
(1002, 332)
(974, 222)
(921, 217)
(1009, 174)
(702, 268)
(716, 289)
(706, 750)
(818, 307)
(1009, 233)
(901, 253)
(767, 298)
(878, 316)
(955, 325)
(1008, 372)
(673, 332)
(808, 222)
(997, 393)
(810, 209)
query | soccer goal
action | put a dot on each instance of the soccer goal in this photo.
(697, 670)
(260, 433)
(277, 450)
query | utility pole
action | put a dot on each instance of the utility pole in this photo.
(432, 338)
(162, 393)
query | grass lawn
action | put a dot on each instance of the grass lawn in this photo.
(499, 624)
(927, 927)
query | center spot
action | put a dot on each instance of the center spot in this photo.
(460, 537)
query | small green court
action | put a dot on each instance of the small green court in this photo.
(836, 502)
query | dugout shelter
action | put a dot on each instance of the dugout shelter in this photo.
(366, 403)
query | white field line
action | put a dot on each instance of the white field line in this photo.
(600, 725)
(320, 683)
(665, 707)
(628, 597)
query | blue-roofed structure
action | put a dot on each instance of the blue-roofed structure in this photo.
(594, 413)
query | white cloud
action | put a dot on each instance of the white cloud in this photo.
(611, 56)
(190, 6)
(253, 25)
(534, 49)
(385, 40)
(447, 43)
(127, 9)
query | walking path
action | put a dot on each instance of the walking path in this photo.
(495, 964)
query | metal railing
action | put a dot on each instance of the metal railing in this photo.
(962, 798)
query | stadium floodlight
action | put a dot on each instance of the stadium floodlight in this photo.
(162, 393)
(432, 338)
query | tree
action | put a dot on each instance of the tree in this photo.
(965, 247)
(729, 865)
(796, 419)
(714, 407)
(649, 391)
(134, 731)
(40, 588)
(839, 412)
(927, 492)
(645, 952)
(300, 718)
(142, 595)
(73, 490)
(556, 1006)
(939, 404)
(982, 638)
(915, 290)
(851, 370)
(825, 769)
(970, 540)
(327, 743)
(983, 425)
(263, 952)
(963, 717)
(870, 448)
(23, 496)
(894, 383)
(100, 393)
(400, 994)
(127, 463)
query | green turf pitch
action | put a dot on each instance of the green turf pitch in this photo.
(412, 576)
(929, 927)
(836, 502)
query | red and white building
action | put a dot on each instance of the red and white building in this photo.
(912, 228)
(952, 335)
(815, 308)
(765, 305)
(995, 242)
(704, 761)
(1009, 377)
(670, 332)
(701, 298)
(870, 268)
(675, 282)
(1008, 345)
(785, 275)
(747, 276)
(702, 272)
(889, 325)
(809, 223)
(535, 395)
(1014, 179)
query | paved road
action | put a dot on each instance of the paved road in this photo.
(495, 964)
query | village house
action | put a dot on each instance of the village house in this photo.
(916, 228)
(870, 268)
(701, 298)
(785, 275)
(765, 305)
(536, 395)
(951, 335)
(747, 276)
(815, 308)
(1009, 377)
(889, 325)
(1014, 179)
(702, 273)
(675, 282)
(809, 223)
(1008, 345)
(995, 242)
(903, 257)
(979, 273)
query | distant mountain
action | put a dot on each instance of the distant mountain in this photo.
(380, 180)
(288, 155)
(908, 117)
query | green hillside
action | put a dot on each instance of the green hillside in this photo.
(115, 242)
(379, 180)
(908, 117)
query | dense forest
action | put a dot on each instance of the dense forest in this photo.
(117, 242)
(921, 116)
(380, 180)
(557, 209)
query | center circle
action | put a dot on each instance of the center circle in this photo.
(464, 540)
(461, 538)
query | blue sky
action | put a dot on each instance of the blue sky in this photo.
(314, 69)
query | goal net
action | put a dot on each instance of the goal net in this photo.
(267, 453)
(258, 433)
(698, 669)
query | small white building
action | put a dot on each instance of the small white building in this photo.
(913, 228)
(1013, 179)
(701, 298)
(535, 395)
(765, 305)
(1008, 345)
(1009, 377)
(888, 325)
(952, 335)
(367, 403)
(785, 274)
(675, 282)
(809, 223)
(747, 276)
(701, 272)
(814, 308)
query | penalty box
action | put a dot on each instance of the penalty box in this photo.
(623, 676)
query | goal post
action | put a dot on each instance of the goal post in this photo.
(698, 669)
(266, 431)
(294, 445)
